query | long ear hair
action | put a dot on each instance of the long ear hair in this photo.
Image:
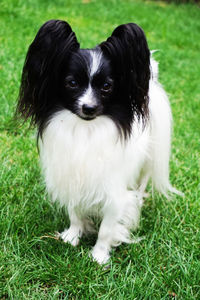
(52, 45)
(127, 49)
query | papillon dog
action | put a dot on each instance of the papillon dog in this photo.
(104, 128)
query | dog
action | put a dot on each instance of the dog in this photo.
(104, 128)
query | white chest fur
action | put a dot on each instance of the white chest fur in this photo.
(83, 161)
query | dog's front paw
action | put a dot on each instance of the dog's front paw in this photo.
(71, 235)
(101, 256)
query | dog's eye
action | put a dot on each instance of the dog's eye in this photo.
(106, 87)
(72, 83)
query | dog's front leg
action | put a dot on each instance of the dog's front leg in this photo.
(107, 232)
(119, 217)
(73, 234)
(100, 252)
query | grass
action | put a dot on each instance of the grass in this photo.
(166, 264)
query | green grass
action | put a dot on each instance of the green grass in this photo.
(166, 264)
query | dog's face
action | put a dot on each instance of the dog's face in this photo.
(88, 84)
(112, 79)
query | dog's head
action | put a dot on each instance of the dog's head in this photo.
(112, 79)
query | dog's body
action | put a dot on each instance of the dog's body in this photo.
(102, 134)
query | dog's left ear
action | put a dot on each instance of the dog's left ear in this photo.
(128, 50)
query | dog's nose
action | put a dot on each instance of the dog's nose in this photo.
(89, 109)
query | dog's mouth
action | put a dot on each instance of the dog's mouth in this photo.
(88, 118)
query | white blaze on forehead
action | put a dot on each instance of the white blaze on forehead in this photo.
(96, 61)
(88, 97)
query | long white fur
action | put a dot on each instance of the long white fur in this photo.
(89, 169)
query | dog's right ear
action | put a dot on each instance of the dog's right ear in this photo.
(51, 47)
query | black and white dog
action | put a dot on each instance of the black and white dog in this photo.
(104, 126)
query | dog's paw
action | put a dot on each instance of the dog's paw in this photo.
(71, 235)
(100, 256)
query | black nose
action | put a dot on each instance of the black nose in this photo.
(89, 109)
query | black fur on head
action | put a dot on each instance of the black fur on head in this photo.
(57, 73)
(128, 51)
(46, 56)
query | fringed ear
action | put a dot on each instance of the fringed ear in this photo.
(127, 49)
(52, 45)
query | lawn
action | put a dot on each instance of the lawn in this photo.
(166, 263)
